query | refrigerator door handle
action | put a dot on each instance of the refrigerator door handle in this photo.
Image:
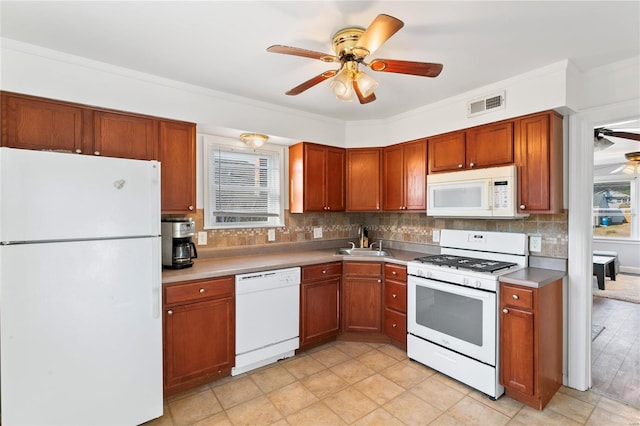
(156, 281)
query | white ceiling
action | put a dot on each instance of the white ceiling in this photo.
(221, 45)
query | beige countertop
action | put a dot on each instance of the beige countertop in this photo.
(532, 277)
(221, 266)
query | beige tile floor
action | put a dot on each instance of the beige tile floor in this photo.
(370, 384)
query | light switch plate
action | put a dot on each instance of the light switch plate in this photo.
(271, 235)
(317, 232)
(535, 243)
(436, 235)
(202, 238)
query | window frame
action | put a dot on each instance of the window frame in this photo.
(213, 143)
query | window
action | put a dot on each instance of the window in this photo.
(242, 186)
(614, 208)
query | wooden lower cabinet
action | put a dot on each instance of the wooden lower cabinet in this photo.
(362, 297)
(531, 342)
(319, 304)
(199, 332)
(395, 304)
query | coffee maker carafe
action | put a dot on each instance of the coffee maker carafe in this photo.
(178, 249)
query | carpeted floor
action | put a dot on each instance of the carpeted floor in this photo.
(626, 287)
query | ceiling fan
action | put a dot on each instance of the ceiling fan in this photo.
(600, 143)
(352, 45)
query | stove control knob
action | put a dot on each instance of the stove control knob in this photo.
(478, 283)
(429, 274)
(465, 281)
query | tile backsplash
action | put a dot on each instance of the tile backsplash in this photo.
(403, 227)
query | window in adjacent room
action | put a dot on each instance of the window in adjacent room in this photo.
(243, 187)
(614, 208)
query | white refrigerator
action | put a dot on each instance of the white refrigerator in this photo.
(80, 289)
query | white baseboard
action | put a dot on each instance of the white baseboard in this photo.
(630, 269)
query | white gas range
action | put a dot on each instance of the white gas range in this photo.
(452, 312)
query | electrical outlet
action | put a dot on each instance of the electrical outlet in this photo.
(317, 232)
(202, 238)
(436, 235)
(271, 235)
(535, 243)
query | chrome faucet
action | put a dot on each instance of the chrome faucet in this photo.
(361, 236)
(379, 243)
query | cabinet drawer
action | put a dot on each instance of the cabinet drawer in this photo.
(363, 268)
(395, 325)
(315, 272)
(517, 297)
(395, 295)
(395, 272)
(199, 290)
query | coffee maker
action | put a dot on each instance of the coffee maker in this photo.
(178, 249)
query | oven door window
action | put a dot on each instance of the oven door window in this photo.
(459, 318)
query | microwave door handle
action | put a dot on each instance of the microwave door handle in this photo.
(194, 252)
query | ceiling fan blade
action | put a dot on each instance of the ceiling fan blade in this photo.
(311, 82)
(626, 135)
(361, 98)
(379, 31)
(296, 51)
(424, 69)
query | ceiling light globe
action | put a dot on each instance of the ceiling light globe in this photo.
(366, 84)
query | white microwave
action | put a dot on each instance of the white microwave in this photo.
(479, 193)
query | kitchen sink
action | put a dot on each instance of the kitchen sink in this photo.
(362, 252)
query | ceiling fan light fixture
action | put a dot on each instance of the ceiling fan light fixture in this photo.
(342, 85)
(633, 156)
(254, 140)
(366, 83)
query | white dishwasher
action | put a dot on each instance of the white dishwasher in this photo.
(267, 317)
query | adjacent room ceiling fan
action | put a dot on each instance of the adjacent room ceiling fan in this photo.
(600, 143)
(352, 46)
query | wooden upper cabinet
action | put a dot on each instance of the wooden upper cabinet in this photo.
(490, 145)
(31, 123)
(177, 154)
(364, 186)
(478, 147)
(538, 155)
(447, 152)
(316, 178)
(404, 176)
(124, 136)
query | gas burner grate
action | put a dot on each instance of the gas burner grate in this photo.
(461, 262)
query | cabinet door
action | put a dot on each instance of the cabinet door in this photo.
(335, 181)
(517, 370)
(199, 340)
(362, 305)
(363, 179)
(415, 175)
(490, 145)
(124, 136)
(319, 310)
(314, 178)
(34, 124)
(447, 152)
(393, 181)
(177, 153)
(539, 160)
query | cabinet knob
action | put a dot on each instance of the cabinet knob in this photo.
(379, 281)
(190, 208)
(394, 273)
(201, 290)
(522, 207)
(515, 296)
(96, 152)
(460, 166)
(471, 164)
(328, 208)
(78, 151)
(394, 325)
(505, 311)
(395, 296)
(324, 271)
(169, 312)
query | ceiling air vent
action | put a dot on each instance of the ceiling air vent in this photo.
(486, 104)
